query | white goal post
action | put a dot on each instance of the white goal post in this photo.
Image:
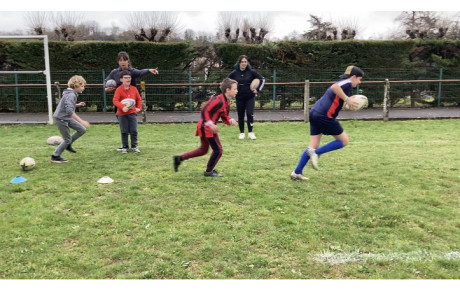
(47, 71)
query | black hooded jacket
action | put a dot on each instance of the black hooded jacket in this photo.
(244, 79)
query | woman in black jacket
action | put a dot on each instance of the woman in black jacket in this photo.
(245, 99)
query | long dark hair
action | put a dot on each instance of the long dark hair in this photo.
(124, 56)
(241, 58)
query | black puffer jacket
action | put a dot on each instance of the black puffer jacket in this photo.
(244, 79)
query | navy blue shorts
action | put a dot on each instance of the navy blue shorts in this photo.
(321, 124)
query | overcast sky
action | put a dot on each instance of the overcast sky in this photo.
(287, 16)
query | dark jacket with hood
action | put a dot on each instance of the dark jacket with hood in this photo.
(244, 79)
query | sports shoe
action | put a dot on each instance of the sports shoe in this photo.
(295, 176)
(135, 150)
(70, 149)
(313, 157)
(213, 173)
(251, 135)
(124, 150)
(58, 159)
(241, 136)
(177, 160)
(120, 149)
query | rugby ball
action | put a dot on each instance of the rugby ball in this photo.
(54, 140)
(111, 84)
(254, 84)
(362, 102)
(27, 164)
(128, 102)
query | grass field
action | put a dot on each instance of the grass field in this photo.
(386, 206)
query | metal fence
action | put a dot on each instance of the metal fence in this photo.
(187, 90)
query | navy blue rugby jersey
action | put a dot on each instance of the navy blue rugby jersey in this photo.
(330, 104)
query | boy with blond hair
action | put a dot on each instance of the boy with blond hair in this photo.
(66, 118)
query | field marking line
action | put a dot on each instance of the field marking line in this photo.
(359, 257)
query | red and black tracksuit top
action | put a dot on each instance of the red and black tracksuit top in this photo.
(217, 107)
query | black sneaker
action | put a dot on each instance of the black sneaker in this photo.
(58, 159)
(70, 149)
(213, 173)
(177, 160)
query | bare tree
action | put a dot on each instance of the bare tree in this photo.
(343, 29)
(153, 26)
(36, 21)
(252, 26)
(423, 24)
(454, 28)
(65, 24)
(255, 27)
(229, 23)
(348, 28)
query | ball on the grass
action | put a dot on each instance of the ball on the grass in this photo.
(111, 84)
(54, 140)
(128, 102)
(27, 164)
(362, 102)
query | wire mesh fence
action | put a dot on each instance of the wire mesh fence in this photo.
(187, 91)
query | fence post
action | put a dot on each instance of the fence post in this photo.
(17, 91)
(386, 100)
(306, 101)
(58, 93)
(144, 102)
(274, 89)
(190, 91)
(103, 91)
(440, 87)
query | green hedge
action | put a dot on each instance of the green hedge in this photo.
(330, 55)
(28, 55)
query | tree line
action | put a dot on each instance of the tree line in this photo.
(233, 27)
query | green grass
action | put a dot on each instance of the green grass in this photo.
(386, 206)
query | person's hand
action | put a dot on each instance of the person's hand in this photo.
(85, 123)
(137, 110)
(214, 128)
(81, 104)
(352, 103)
(154, 71)
(233, 122)
(125, 109)
(109, 89)
(254, 91)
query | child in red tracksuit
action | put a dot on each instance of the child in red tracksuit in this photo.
(216, 108)
(127, 117)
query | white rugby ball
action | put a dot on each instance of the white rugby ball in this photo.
(362, 102)
(27, 164)
(254, 84)
(128, 102)
(54, 140)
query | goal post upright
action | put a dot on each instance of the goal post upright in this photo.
(47, 71)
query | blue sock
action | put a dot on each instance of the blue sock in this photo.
(332, 146)
(302, 162)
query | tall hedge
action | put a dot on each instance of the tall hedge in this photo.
(321, 55)
(28, 55)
